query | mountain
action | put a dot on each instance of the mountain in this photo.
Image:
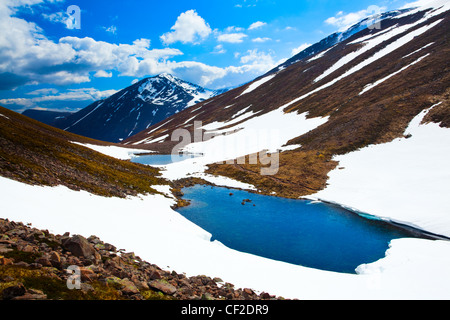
(363, 91)
(135, 108)
(51, 118)
(335, 38)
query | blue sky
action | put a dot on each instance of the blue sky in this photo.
(46, 62)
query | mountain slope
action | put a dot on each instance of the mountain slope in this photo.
(318, 49)
(363, 91)
(51, 118)
(34, 153)
(135, 108)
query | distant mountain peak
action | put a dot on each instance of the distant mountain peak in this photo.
(136, 108)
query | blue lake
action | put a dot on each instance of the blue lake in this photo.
(161, 159)
(315, 235)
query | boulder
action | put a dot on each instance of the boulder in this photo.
(80, 247)
(4, 249)
(162, 286)
(5, 261)
(128, 287)
(14, 291)
(55, 259)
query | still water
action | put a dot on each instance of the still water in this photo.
(301, 232)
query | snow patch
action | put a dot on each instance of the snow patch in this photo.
(256, 84)
(411, 176)
(114, 151)
(376, 83)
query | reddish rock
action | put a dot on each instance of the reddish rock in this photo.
(166, 288)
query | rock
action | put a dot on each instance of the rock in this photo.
(217, 280)
(128, 287)
(153, 273)
(128, 256)
(22, 264)
(14, 291)
(29, 296)
(80, 247)
(109, 247)
(85, 287)
(55, 259)
(207, 296)
(113, 281)
(44, 261)
(248, 291)
(265, 295)
(5, 261)
(72, 260)
(8, 279)
(159, 285)
(32, 294)
(4, 249)
(87, 274)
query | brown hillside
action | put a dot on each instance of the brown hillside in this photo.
(35, 153)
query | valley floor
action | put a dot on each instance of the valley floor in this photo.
(404, 181)
(412, 269)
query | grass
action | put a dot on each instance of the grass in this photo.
(300, 173)
(35, 153)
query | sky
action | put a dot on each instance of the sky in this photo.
(65, 54)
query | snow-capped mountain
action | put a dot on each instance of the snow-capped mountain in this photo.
(135, 108)
(364, 123)
(337, 37)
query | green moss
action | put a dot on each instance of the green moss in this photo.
(28, 257)
(154, 295)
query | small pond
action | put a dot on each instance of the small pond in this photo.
(161, 159)
(311, 234)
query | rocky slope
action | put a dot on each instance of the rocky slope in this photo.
(38, 265)
(135, 108)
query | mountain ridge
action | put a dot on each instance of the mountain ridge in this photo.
(135, 108)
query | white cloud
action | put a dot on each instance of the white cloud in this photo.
(83, 94)
(56, 17)
(344, 21)
(300, 48)
(255, 56)
(232, 29)
(189, 28)
(219, 49)
(256, 25)
(232, 37)
(29, 57)
(44, 91)
(261, 39)
(112, 29)
(103, 74)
